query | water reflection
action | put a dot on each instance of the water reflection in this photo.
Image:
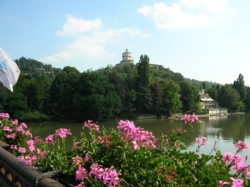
(225, 130)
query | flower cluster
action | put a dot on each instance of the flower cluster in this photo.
(90, 125)
(4, 116)
(241, 145)
(201, 141)
(62, 133)
(15, 131)
(190, 118)
(108, 175)
(105, 140)
(237, 163)
(235, 183)
(138, 136)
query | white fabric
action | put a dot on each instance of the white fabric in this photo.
(9, 71)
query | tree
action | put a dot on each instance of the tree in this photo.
(189, 97)
(213, 91)
(17, 105)
(171, 98)
(156, 98)
(239, 85)
(123, 78)
(62, 92)
(230, 98)
(247, 100)
(143, 90)
(3, 96)
(96, 98)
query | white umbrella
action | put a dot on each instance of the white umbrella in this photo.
(9, 71)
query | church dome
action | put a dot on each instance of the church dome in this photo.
(127, 57)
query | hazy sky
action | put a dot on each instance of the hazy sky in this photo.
(201, 39)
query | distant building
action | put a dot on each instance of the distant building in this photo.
(206, 101)
(127, 57)
(209, 104)
(155, 66)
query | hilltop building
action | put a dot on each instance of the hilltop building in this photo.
(127, 57)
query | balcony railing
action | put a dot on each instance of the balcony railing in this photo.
(14, 173)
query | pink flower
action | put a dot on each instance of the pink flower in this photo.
(23, 125)
(247, 173)
(42, 154)
(237, 182)
(111, 177)
(201, 141)
(21, 158)
(176, 144)
(108, 175)
(19, 129)
(13, 147)
(95, 169)
(32, 148)
(137, 136)
(22, 150)
(75, 145)
(50, 139)
(37, 140)
(90, 125)
(135, 145)
(190, 118)
(15, 122)
(62, 132)
(77, 160)
(228, 158)
(28, 133)
(87, 158)
(30, 160)
(241, 145)
(222, 183)
(237, 158)
(7, 129)
(239, 166)
(4, 115)
(31, 144)
(80, 185)
(27, 159)
(81, 173)
(11, 136)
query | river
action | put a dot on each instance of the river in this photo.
(225, 131)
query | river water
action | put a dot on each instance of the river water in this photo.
(225, 131)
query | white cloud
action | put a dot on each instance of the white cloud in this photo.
(173, 17)
(75, 26)
(92, 44)
(87, 47)
(216, 6)
(56, 57)
(187, 13)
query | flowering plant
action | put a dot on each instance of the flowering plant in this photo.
(126, 156)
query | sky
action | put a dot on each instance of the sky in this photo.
(206, 40)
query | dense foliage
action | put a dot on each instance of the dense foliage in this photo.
(124, 91)
(127, 156)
